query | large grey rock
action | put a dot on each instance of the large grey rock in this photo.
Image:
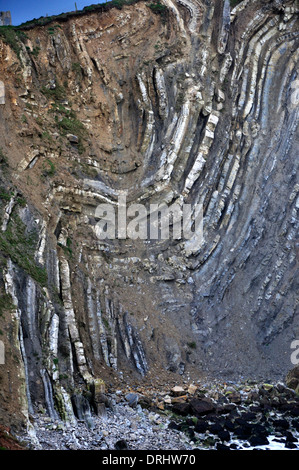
(292, 378)
(82, 409)
(73, 139)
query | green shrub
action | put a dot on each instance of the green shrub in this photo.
(46, 136)
(6, 303)
(35, 51)
(76, 67)
(50, 170)
(5, 196)
(21, 201)
(52, 29)
(69, 124)
(20, 246)
(57, 93)
(12, 37)
(68, 247)
(118, 3)
(158, 8)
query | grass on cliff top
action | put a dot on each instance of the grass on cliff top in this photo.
(97, 7)
(158, 8)
(155, 6)
(12, 36)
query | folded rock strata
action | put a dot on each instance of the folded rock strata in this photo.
(196, 106)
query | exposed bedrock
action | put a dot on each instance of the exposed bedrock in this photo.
(199, 106)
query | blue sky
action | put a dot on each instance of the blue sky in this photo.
(24, 10)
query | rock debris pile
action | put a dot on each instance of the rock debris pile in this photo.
(177, 102)
(233, 416)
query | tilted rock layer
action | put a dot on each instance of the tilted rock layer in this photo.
(195, 105)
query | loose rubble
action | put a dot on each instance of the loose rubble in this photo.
(190, 417)
(193, 108)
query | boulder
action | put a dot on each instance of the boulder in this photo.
(121, 445)
(234, 396)
(26, 132)
(182, 409)
(99, 386)
(202, 406)
(132, 399)
(292, 378)
(98, 397)
(192, 389)
(178, 391)
(255, 441)
(73, 139)
(180, 399)
(201, 426)
(101, 411)
(220, 446)
(290, 445)
(146, 402)
(82, 409)
(174, 425)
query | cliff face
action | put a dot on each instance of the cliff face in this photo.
(192, 103)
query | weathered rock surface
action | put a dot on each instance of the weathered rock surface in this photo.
(292, 378)
(265, 417)
(198, 106)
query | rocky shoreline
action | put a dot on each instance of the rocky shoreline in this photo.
(193, 416)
